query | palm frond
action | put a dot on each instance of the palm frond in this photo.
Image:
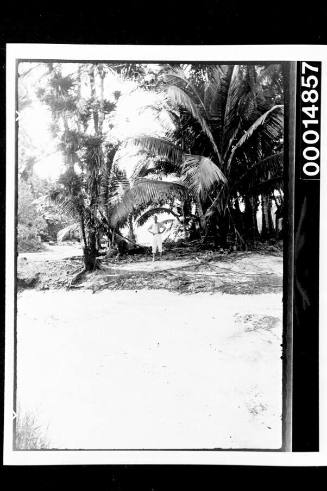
(155, 167)
(158, 147)
(118, 186)
(182, 99)
(267, 74)
(156, 211)
(266, 169)
(178, 78)
(66, 231)
(145, 191)
(272, 128)
(213, 91)
(219, 78)
(71, 206)
(199, 174)
(143, 167)
(236, 90)
(267, 186)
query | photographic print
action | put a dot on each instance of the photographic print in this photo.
(152, 253)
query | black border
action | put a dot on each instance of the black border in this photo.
(224, 23)
(306, 296)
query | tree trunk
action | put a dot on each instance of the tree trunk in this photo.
(202, 219)
(131, 234)
(267, 225)
(90, 251)
(254, 206)
(82, 227)
(250, 221)
(271, 226)
(226, 238)
(101, 109)
(93, 97)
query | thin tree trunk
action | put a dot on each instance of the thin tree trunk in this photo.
(271, 226)
(254, 207)
(82, 226)
(202, 219)
(249, 223)
(264, 224)
(90, 251)
(265, 220)
(93, 97)
(101, 111)
(131, 234)
(79, 85)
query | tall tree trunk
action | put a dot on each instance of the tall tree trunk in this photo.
(131, 234)
(254, 206)
(265, 231)
(271, 226)
(250, 221)
(101, 109)
(93, 97)
(90, 251)
(226, 237)
(202, 219)
(79, 93)
(82, 227)
(94, 168)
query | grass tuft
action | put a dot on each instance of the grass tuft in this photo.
(28, 433)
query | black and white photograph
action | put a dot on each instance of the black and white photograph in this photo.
(152, 228)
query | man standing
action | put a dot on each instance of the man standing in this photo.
(156, 229)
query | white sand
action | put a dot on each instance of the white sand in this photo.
(150, 369)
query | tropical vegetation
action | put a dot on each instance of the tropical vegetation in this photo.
(217, 162)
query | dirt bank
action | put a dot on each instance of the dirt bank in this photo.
(201, 271)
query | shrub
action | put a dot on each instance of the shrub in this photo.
(30, 222)
(27, 239)
(28, 434)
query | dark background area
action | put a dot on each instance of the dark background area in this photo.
(306, 292)
(211, 22)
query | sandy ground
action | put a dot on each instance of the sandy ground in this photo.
(180, 270)
(152, 369)
(52, 253)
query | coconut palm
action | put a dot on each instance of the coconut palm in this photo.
(228, 123)
(142, 192)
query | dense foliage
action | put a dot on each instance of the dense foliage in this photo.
(216, 163)
(226, 145)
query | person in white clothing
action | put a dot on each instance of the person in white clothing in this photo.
(156, 229)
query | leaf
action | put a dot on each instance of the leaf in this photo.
(268, 74)
(145, 191)
(158, 147)
(199, 174)
(67, 205)
(265, 170)
(154, 166)
(216, 92)
(235, 91)
(272, 129)
(66, 231)
(178, 77)
(181, 98)
(155, 211)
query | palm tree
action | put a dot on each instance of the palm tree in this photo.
(141, 192)
(78, 123)
(225, 145)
